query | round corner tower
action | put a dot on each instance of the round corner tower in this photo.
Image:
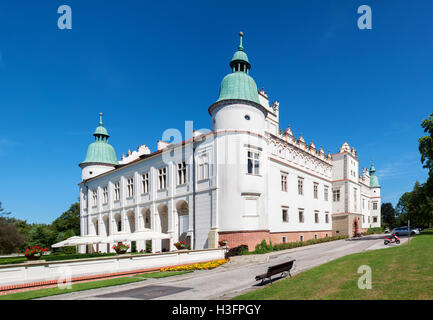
(100, 157)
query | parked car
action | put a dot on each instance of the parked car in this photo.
(402, 231)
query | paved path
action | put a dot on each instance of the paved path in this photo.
(231, 279)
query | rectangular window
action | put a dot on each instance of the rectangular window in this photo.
(316, 190)
(327, 217)
(374, 205)
(285, 215)
(162, 178)
(130, 187)
(326, 193)
(117, 191)
(336, 195)
(301, 238)
(181, 173)
(355, 198)
(283, 181)
(374, 219)
(95, 197)
(301, 216)
(145, 182)
(251, 206)
(300, 186)
(316, 216)
(105, 194)
(253, 162)
(284, 239)
(369, 219)
(203, 167)
(363, 219)
(363, 203)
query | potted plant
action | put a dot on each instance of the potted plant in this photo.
(121, 248)
(222, 243)
(34, 252)
(180, 245)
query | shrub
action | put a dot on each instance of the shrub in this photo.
(263, 247)
(238, 251)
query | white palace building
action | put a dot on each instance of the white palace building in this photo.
(244, 181)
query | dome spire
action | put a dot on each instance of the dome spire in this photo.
(100, 151)
(241, 48)
(374, 181)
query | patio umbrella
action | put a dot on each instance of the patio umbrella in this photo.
(64, 243)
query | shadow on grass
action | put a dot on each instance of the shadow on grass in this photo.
(271, 280)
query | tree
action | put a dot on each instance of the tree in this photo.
(69, 220)
(11, 239)
(3, 213)
(42, 235)
(426, 144)
(388, 215)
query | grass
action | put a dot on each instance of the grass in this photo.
(401, 272)
(34, 294)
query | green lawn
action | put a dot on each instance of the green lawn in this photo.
(402, 272)
(34, 294)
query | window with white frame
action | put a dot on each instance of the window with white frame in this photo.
(105, 194)
(130, 187)
(300, 186)
(316, 216)
(253, 162)
(117, 191)
(145, 182)
(285, 214)
(283, 181)
(162, 178)
(374, 205)
(181, 173)
(95, 197)
(336, 195)
(326, 193)
(327, 217)
(374, 219)
(316, 190)
(203, 166)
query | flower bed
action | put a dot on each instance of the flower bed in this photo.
(198, 266)
(121, 248)
(34, 252)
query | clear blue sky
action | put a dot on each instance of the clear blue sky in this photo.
(150, 65)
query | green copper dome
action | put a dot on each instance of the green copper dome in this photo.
(101, 151)
(239, 84)
(374, 181)
(101, 131)
(240, 56)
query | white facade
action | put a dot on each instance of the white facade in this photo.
(252, 182)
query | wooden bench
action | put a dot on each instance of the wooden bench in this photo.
(276, 269)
